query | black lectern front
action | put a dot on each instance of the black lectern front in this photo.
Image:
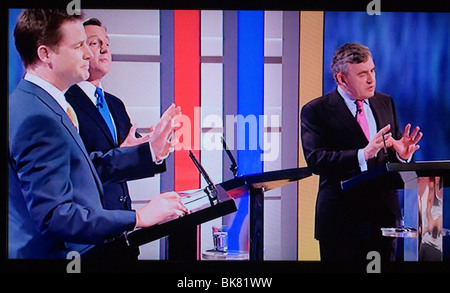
(182, 231)
(255, 185)
(423, 184)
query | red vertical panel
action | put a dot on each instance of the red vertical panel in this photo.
(187, 91)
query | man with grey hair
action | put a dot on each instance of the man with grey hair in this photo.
(342, 135)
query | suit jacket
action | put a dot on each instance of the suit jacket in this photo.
(331, 137)
(113, 166)
(55, 195)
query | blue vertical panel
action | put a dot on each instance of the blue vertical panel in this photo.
(15, 67)
(250, 87)
(249, 107)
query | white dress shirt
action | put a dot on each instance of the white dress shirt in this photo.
(350, 102)
(351, 105)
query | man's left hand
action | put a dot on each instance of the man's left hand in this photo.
(407, 145)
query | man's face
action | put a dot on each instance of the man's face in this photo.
(70, 60)
(98, 42)
(359, 80)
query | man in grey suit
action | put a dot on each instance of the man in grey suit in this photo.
(55, 195)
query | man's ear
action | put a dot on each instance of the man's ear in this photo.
(44, 53)
(340, 77)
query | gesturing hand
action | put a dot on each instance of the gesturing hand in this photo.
(407, 145)
(376, 143)
(160, 138)
(132, 140)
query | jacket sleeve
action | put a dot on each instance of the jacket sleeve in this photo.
(40, 153)
(128, 163)
(125, 164)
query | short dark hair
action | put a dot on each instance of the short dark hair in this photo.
(353, 53)
(92, 21)
(36, 27)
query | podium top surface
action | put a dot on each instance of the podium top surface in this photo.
(142, 236)
(431, 167)
(266, 181)
(421, 168)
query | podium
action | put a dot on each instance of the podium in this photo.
(422, 224)
(182, 232)
(255, 185)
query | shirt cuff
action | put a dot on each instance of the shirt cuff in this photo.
(154, 157)
(361, 161)
(403, 161)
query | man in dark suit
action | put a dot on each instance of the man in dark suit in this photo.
(55, 195)
(114, 169)
(342, 135)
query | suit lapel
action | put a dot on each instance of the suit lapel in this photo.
(86, 105)
(339, 108)
(56, 108)
(45, 97)
(378, 109)
(381, 112)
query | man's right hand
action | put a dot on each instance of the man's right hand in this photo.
(376, 143)
(162, 208)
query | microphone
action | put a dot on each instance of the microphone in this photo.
(358, 109)
(233, 166)
(211, 188)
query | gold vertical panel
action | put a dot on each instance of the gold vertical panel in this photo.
(310, 87)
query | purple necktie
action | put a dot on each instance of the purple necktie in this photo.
(362, 119)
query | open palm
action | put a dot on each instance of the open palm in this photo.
(407, 145)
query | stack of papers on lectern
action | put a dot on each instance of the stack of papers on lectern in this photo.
(195, 200)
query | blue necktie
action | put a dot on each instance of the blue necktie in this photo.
(102, 107)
